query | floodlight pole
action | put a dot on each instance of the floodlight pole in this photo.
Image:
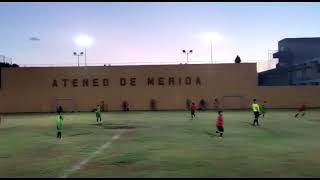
(187, 58)
(85, 56)
(76, 54)
(211, 52)
(187, 52)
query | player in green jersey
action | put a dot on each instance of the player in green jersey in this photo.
(98, 113)
(59, 120)
(263, 108)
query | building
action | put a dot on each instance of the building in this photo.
(299, 63)
(43, 89)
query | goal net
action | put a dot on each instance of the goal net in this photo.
(233, 102)
(67, 104)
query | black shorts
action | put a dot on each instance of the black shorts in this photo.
(256, 114)
(220, 128)
(192, 112)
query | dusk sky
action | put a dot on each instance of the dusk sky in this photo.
(151, 32)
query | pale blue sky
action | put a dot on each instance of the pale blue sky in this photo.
(151, 32)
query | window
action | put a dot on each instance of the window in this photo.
(281, 48)
(308, 73)
(304, 73)
(298, 74)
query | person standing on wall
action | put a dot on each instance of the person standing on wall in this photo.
(256, 112)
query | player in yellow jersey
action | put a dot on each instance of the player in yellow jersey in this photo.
(256, 112)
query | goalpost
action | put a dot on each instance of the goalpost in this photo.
(67, 104)
(233, 101)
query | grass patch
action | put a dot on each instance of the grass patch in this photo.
(162, 144)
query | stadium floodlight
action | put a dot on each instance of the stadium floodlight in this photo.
(78, 54)
(84, 41)
(215, 36)
(185, 52)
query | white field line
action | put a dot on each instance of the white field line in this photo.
(93, 155)
(90, 157)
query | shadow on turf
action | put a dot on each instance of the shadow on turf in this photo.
(96, 124)
(8, 128)
(312, 120)
(116, 126)
(79, 134)
(248, 124)
(210, 134)
(119, 127)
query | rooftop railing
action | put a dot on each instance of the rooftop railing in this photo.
(261, 65)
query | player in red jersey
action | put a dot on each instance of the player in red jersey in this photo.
(220, 124)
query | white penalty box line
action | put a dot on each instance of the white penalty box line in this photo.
(91, 156)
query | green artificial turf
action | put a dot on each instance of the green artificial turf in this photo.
(161, 144)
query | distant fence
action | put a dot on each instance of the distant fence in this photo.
(267, 65)
(261, 65)
(110, 64)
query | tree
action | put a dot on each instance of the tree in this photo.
(8, 65)
(237, 60)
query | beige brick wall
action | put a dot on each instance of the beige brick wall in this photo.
(34, 89)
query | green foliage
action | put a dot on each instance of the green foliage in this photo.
(8, 65)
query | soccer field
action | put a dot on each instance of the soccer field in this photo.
(161, 144)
